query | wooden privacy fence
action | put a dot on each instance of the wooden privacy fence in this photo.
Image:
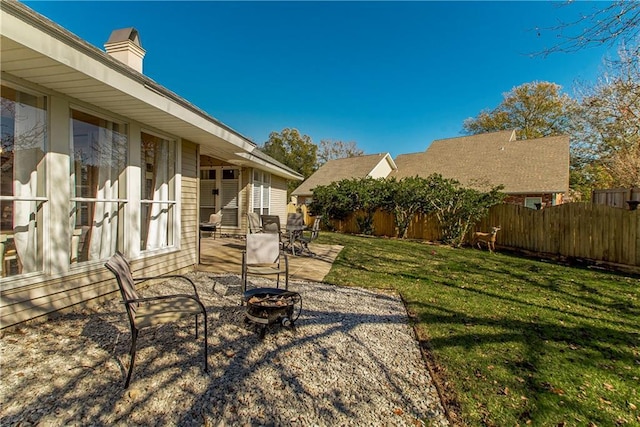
(616, 197)
(575, 230)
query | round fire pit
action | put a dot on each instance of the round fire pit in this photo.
(266, 306)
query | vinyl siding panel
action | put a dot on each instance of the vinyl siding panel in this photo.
(245, 197)
(279, 198)
(189, 205)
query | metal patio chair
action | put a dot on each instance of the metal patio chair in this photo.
(151, 311)
(270, 224)
(294, 228)
(315, 232)
(263, 257)
(214, 224)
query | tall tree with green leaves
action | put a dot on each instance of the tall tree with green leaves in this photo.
(331, 149)
(294, 150)
(535, 109)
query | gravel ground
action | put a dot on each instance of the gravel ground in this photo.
(351, 360)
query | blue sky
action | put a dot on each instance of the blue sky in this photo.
(391, 76)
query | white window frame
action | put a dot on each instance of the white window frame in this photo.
(261, 187)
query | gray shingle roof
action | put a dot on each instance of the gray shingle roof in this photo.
(527, 166)
(336, 170)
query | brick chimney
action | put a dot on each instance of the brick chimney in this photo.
(124, 45)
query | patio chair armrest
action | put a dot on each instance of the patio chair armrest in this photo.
(163, 297)
(169, 276)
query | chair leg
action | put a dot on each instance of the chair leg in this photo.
(206, 344)
(132, 354)
(196, 316)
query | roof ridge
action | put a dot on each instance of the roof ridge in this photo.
(476, 134)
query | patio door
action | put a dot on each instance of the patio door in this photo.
(219, 189)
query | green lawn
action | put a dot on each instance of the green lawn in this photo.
(515, 341)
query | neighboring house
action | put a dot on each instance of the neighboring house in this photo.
(96, 157)
(373, 165)
(533, 171)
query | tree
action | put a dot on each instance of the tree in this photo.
(338, 200)
(458, 208)
(294, 150)
(607, 125)
(535, 109)
(404, 199)
(331, 203)
(618, 21)
(331, 150)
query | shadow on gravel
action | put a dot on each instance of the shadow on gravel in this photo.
(72, 369)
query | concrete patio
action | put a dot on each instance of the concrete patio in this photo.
(224, 255)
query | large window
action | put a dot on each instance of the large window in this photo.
(99, 158)
(23, 125)
(158, 204)
(261, 192)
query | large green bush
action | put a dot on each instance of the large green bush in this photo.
(340, 199)
(457, 208)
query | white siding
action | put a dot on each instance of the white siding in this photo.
(381, 170)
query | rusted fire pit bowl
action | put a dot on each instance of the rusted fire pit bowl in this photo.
(266, 306)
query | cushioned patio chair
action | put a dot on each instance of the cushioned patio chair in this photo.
(151, 311)
(270, 224)
(253, 220)
(263, 257)
(214, 224)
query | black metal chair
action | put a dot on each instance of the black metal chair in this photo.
(214, 224)
(151, 311)
(270, 224)
(315, 232)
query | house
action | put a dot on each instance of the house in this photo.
(533, 171)
(97, 157)
(373, 165)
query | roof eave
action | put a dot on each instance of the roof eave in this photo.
(169, 112)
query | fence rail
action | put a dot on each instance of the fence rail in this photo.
(576, 230)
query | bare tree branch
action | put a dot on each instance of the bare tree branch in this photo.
(617, 22)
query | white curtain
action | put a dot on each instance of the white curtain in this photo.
(28, 136)
(157, 234)
(104, 226)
